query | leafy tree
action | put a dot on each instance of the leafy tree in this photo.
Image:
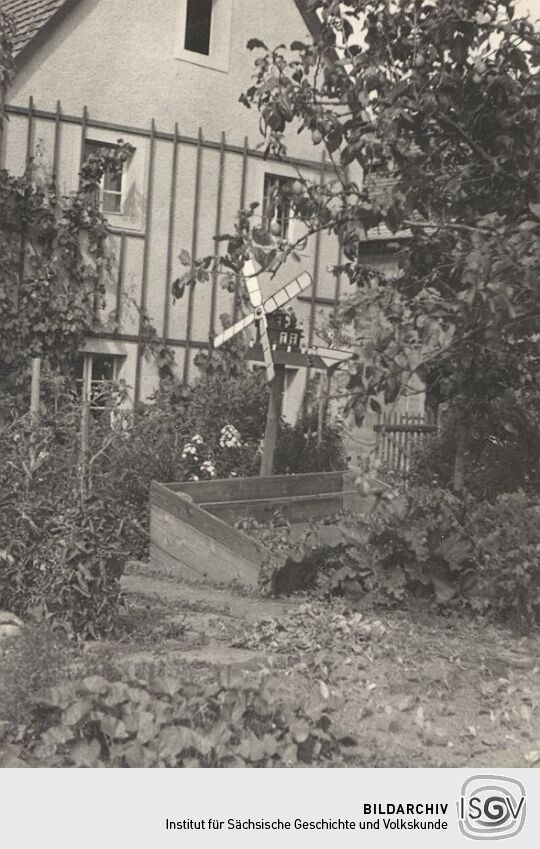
(429, 114)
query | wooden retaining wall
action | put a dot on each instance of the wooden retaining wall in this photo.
(191, 524)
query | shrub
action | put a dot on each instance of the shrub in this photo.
(428, 542)
(298, 448)
(62, 537)
(506, 538)
(417, 544)
(67, 527)
(29, 664)
(420, 542)
(503, 448)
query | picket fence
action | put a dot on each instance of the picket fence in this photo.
(400, 435)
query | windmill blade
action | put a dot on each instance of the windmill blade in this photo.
(288, 292)
(232, 331)
(252, 284)
(266, 349)
(330, 354)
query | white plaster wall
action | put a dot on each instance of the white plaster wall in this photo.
(117, 57)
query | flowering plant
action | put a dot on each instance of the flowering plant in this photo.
(201, 461)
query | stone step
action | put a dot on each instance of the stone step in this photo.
(223, 601)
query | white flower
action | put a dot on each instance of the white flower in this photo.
(194, 478)
(189, 449)
(230, 438)
(209, 468)
(197, 439)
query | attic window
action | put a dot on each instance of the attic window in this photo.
(198, 26)
(204, 33)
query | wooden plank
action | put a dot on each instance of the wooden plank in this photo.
(295, 509)
(243, 489)
(194, 252)
(314, 290)
(243, 182)
(56, 145)
(120, 280)
(198, 555)
(217, 232)
(145, 262)
(84, 128)
(35, 388)
(167, 298)
(287, 358)
(43, 114)
(169, 566)
(316, 268)
(353, 500)
(210, 526)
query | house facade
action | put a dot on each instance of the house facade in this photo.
(166, 77)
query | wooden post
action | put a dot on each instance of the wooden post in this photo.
(321, 412)
(272, 421)
(34, 391)
(85, 406)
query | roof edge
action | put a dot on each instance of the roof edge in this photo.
(310, 18)
(43, 33)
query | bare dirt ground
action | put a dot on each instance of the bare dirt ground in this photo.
(413, 688)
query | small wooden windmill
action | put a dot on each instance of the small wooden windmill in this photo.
(274, 356)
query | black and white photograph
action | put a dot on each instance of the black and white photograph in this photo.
(270, 392)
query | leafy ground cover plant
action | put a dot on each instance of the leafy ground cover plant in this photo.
(149, 720)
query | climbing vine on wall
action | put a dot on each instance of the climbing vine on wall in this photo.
(53, 266)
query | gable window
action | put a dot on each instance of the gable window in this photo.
(204, 33)
(109, 196)
(277, 208)
(198, 26)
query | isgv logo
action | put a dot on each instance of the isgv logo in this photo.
(491, 807)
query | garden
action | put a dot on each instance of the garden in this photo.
(398, 630)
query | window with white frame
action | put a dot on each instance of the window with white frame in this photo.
(109, 196)
(277, 206)
(204, 33)
(97, 380)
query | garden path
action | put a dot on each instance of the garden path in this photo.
(414, 688)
